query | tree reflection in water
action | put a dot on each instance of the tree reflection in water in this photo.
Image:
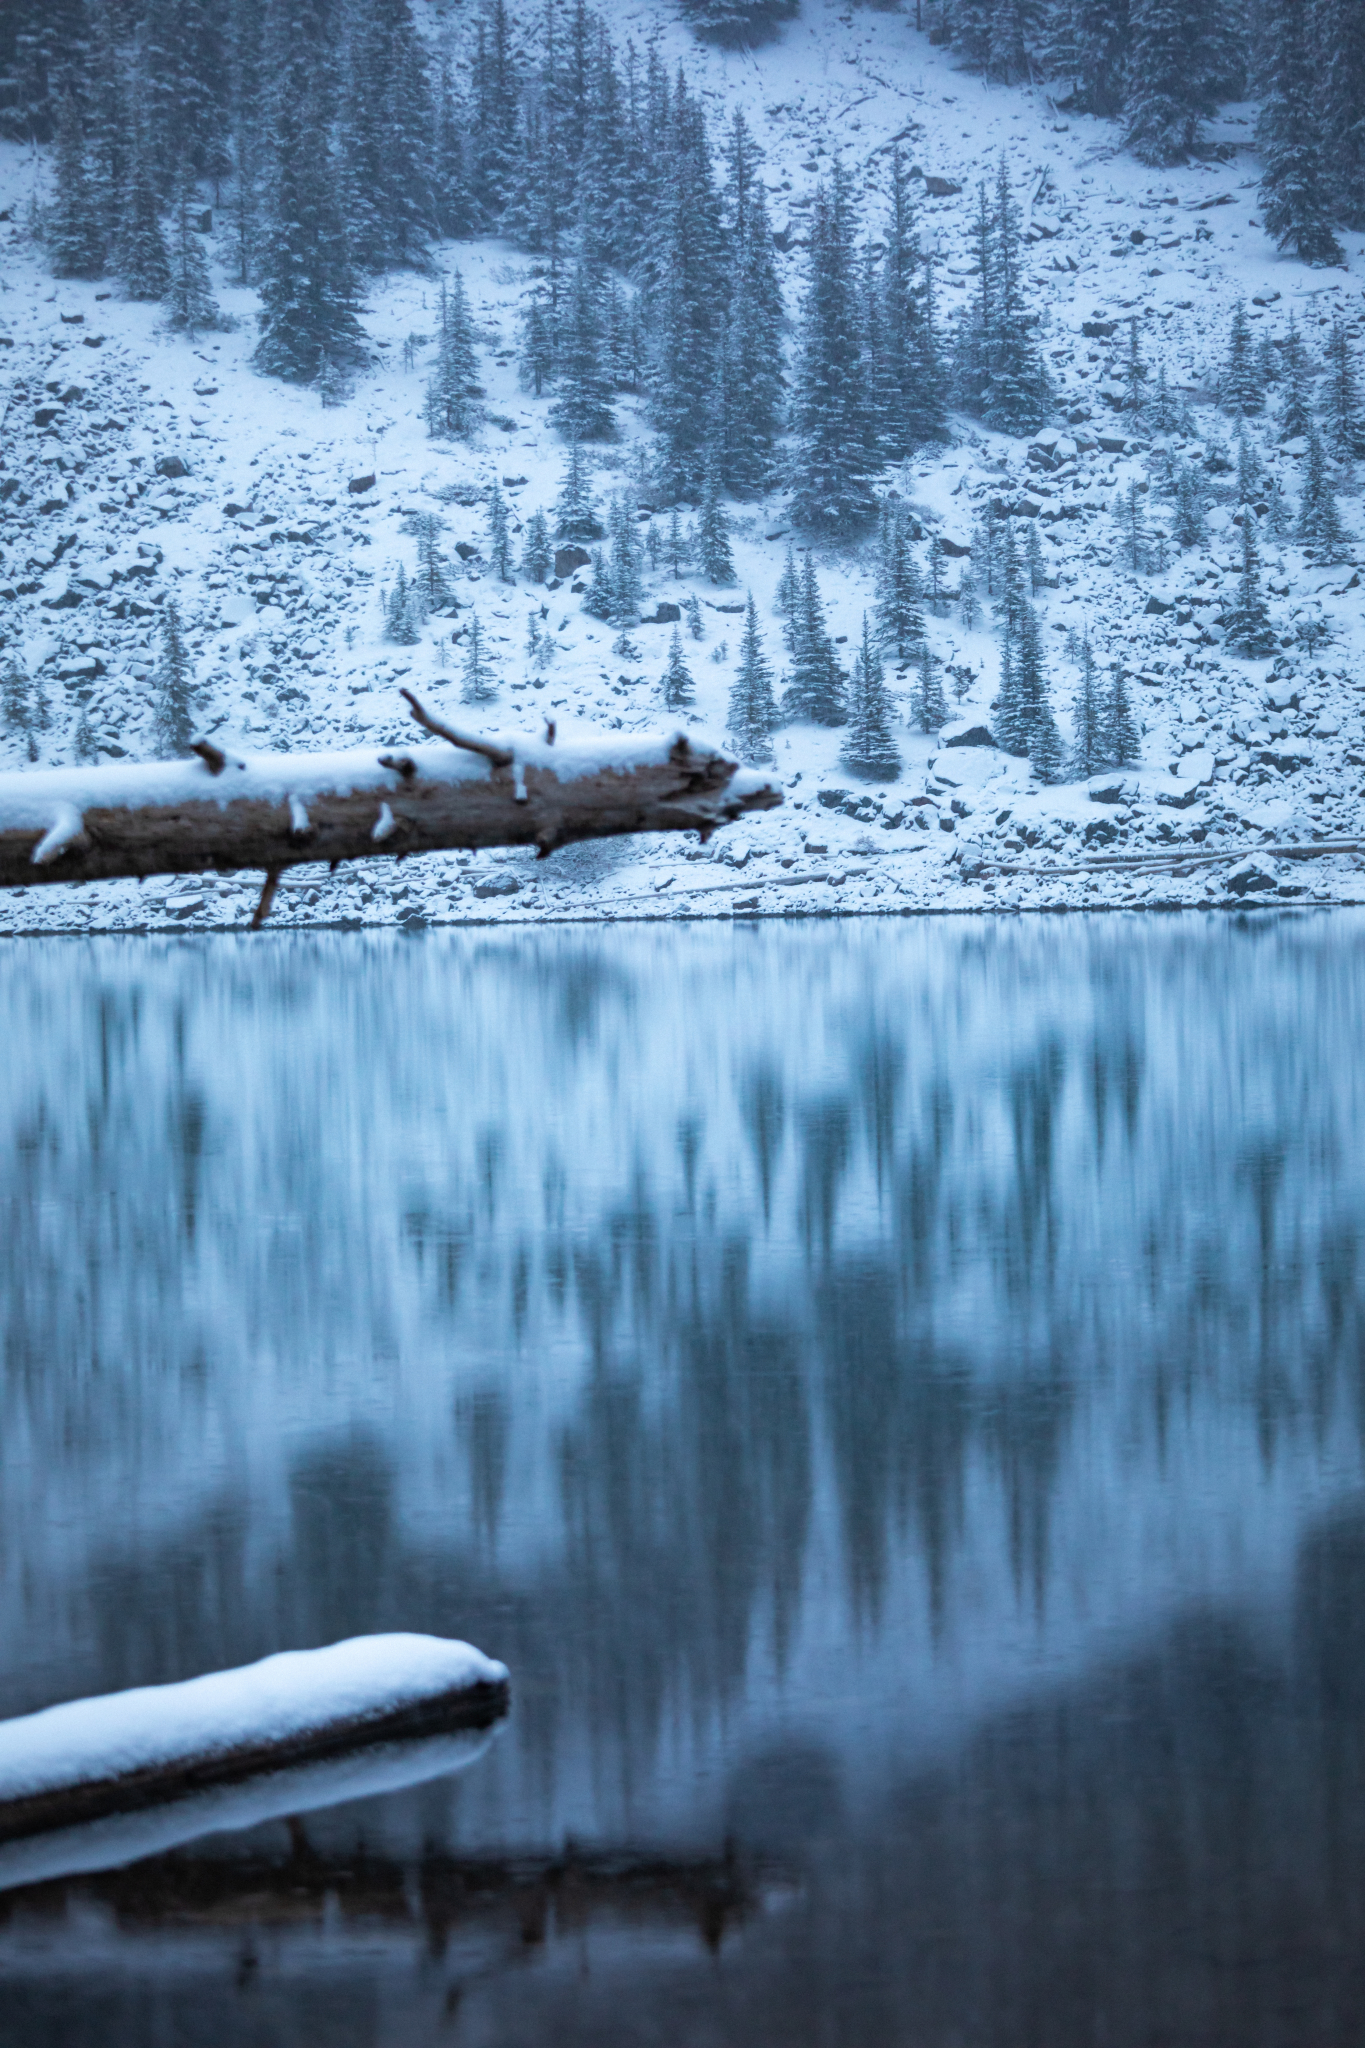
(892, 1395)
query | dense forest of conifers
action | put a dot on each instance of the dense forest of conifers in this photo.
(337, 141)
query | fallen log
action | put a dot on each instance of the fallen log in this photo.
(222, 812)
(89, 1761)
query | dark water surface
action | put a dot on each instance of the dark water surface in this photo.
(892, 1393)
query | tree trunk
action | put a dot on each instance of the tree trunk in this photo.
(220, 813)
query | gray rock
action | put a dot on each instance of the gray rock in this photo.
(570, 558)
(966, 732)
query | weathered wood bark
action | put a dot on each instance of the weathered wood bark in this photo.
(220, 813)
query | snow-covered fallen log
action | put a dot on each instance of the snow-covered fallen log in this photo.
(127, 1752)
(223, 812)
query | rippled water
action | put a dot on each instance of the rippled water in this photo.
(892, 1394)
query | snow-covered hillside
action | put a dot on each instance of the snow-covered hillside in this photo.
(139, 465)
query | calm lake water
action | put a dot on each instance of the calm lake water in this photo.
(892, 1392)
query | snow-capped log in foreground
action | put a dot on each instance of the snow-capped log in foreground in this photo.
(223, 812)
(344, 1710)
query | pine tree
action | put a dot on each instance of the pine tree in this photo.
(575, 512)
(1296, 193)
(736, 22)
(968, 602)
(788, 592)
(999, 371)
(1248, 469)
(869, 750)
(1120, 740)
(456, 208)
(1296, 414)
(1276, 509)
(834, 462)
(1043, 746)
(1087, 719)
(1190, 531)
(598, 597)
(1134, 373)
(930, 704)
(1047, 756)
(1243, 391)
(190, 304)
(1341, 91)
(679, 690)
(676, 550)
(713, 531)
(21, 707)
(401, 612)
(685, 287)
(1033, 559)
(430, 583)
(626, 570)
(753, 708)
(1087, 46)
(387, 121)
(1165, 415)
(478, 684)
(692, 613)
(174, 680)
(143, 263)
(899, 610)
(816, 693)
(537, 554)
(1248, 627)
(751, 353)
(74, 241)
(582, 409)
(496, 96)
(500, 536)
(451, 409)
(1320, 529)
(1345, 426)
(1169, 84)
(307, 284)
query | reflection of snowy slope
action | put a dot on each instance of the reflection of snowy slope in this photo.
(364, 1283)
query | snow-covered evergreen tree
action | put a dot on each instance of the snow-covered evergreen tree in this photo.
(736, 22)
(1320, 527)
(499, 535)
(1087, 718)
(751, 353)
(307, 284)
(1086, 46)
(899, 609)
(142, 261)
(1120, 739)
(75, 243)
(430, 583)
(1345, 426)
(582, 409)
(692, 614)
(452, 410)
(1248, 625)
(575, 510)
(679, 689)
(172, 722)
(387, 124)
(190, 304)
(753, 708)
(1190, 531)
(869, 749)
(402, 612)
(22, 706)
(1340, 84)
(1243, 390)
(1296, 411)
(788, 593)
(816, 691)
(999, 370)
(1169, 79)
(537, 551)
(834, 464)
(478, 685)
(1296, 189)
(929, 703)
(713, 531)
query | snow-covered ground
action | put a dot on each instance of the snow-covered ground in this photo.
(282, 598)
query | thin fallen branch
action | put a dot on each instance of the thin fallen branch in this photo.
(1173, 862)
(223, 813)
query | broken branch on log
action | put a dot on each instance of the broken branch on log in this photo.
(221, 813)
